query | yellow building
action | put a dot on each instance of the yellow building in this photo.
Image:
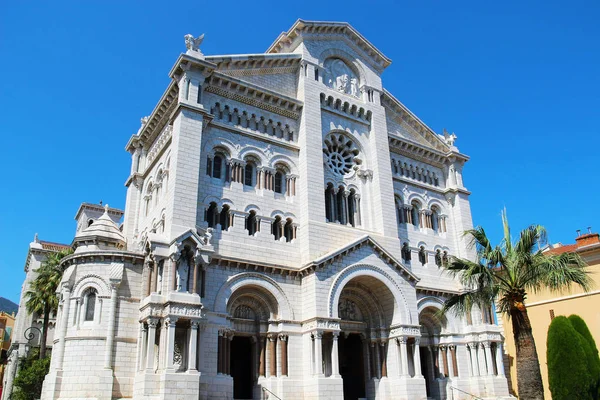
(7, 322)
(545, 305)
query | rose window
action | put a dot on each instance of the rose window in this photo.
(340, 154)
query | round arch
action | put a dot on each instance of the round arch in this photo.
(401, 311)
(91, 281)
(257, 280)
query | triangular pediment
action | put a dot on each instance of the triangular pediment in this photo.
(290, 40)
(341, 252)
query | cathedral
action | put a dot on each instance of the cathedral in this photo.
(286, 226)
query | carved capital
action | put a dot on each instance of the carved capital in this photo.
(283, 338)
(152, 323)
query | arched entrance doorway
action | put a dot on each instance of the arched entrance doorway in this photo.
(433, 361)
(366, 308)
(250, 308)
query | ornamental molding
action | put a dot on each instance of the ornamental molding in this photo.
(159, 144)
(257, 64)
(346, 109)
(405, 331)
(328, 324)
(244, 92)
(260, 71)
(184, 310)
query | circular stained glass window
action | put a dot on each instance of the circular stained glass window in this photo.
(340, 154)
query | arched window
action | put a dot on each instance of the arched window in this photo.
(353, 211)
(249, 174)
(217, 165)
(341, 206)
(288, 230)
(90, 222)
(276, 229)
(211, 215)
(416, 211)
(400, 210)
(252, 223)
(330, 203)
(225, 218)
(435, 219)
(89, 305)
(279, 182)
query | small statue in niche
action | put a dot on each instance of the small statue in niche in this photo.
(183, 272)
(438, 258)
(354, 87)
(422, 256)
(406, 252)
(445, 259)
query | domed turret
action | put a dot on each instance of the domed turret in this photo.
(102, 234)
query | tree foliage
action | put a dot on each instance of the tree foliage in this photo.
(503, 275)
(41, 296)
(569, 375)
(28, 382)
(591, 351)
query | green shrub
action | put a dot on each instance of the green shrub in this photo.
(569, 377)
(28, 382)
(593, 361)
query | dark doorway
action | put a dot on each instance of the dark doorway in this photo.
(352, 366)
(425, 370)
(241, 367)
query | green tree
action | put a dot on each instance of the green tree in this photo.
(568, 376)
(593, 361)
(504, 274)
(41, 296)
(28, 382)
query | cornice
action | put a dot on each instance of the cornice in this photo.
(260, 136)
(302, 27)
(254, 95)
(256, 62)
(102, 255)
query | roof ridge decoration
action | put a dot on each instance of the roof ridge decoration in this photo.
(301, 27)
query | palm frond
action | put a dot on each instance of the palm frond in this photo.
(559, 272)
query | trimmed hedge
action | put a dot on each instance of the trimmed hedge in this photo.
(569, 377)
(593, 361)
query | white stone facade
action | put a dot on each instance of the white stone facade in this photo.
(285, 225)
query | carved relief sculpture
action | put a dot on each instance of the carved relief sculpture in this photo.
(340, 77)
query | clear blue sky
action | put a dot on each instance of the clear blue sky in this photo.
(517, 82)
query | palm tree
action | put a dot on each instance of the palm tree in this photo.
(41, 296)
(503, 275)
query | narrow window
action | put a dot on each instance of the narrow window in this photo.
(276, 228)
(90, 306)
(224, 218)
(316, 74)
(248, 174)
(251, 223)
(415, 214)
(211, 215)
(435, 219)
(288, 231)
(329, 203)
(279, 182)
(217, 163)
(199, 99)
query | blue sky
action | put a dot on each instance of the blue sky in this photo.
(516, 81)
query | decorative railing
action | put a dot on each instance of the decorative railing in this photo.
(473, 397)
(265, 390)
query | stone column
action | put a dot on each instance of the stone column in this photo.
(481, 360)
(149, 278)
(499, 359)
(195, 272)
(488, 357)
(367, 355)
(152, 322)
(431, 358)
(192, 347)
(403, 356)
(474, 364)
(417, 359)
(383, 358)
(141, 347)
(272, 354)
(377, 354)
(170, 343)
(228, 339)
(110, 334)
(335, 360)
(64, 322)
(220, 349)
(174, 259)
(283, 342)
(454, 363)
(443, 350)
(261, 367)
(153, 277)
(319, 353)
